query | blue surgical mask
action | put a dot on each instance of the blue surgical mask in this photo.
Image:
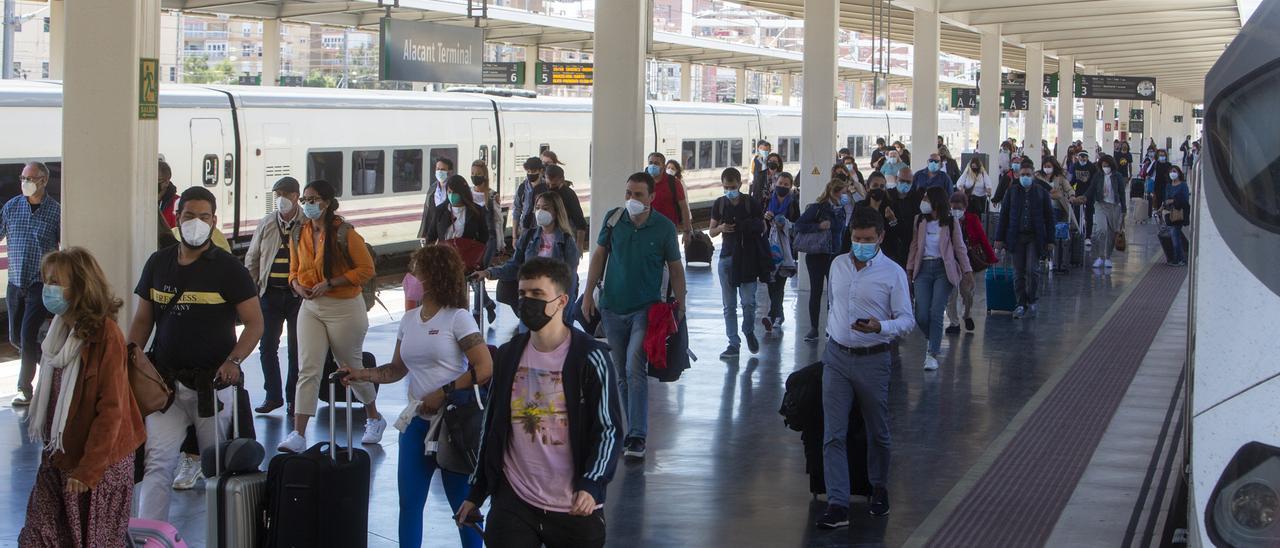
(864, 252)
(732, 194)
(441, 175)
(904, 188)
(844, 199)
(933, 166)
(1025, 181)
(653, 170)
(55, 299)
(312, 211)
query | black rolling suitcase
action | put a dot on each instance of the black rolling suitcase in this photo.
(1165, 234)
(319, 498)
(1077, 248)
(802, 411)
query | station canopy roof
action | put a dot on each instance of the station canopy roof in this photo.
(1174, 41)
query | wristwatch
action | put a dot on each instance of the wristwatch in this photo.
(235, 360)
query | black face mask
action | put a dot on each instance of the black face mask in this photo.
(775, 166)
(533, 312)
(478, 180)
(842, 176)
(877, 195)
(782, 191)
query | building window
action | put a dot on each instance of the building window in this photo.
(246, 49)
(44, 69)
(46, 24)
(173, 74)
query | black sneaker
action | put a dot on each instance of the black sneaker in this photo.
(879, 502)
(768, 324)
(634, 448)
(968, 324)
(952, 330)
(729, 353)
(811, 336)
(752, 344)
(835, 517)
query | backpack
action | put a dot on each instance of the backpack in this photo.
(802, 401)
(368, 291)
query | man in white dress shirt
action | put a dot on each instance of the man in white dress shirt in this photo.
(870, 306)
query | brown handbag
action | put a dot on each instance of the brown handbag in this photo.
(149, 388)
(1121, 242)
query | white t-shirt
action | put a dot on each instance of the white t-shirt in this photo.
(459, 223)
(430, 349)
(932, 232)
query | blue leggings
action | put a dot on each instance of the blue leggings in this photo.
(414, 479)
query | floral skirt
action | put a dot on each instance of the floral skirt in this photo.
(97, 519)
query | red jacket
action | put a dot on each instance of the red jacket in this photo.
(973, 231)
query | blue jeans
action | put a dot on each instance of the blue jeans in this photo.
(1175, 234)
(730, 295)
(849, 380)
(626, 343)
(413, 478)
(932, 291)
(26, 315)
(1026, 271)
(279, 308)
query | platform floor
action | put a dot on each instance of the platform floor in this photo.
(722, 469)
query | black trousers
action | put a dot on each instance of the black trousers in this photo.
(819, 265)
(776, 289)
(513, 523)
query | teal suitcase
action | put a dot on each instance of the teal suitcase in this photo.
(1000, 294)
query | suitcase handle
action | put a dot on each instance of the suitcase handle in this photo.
(235, 425)
(335, 378)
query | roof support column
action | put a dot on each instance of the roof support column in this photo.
(989, 136)
(270, 52)
(924, 79)
(1091, 124)
(1108, 125)
(617, 104)
(786, 89)
(1066, 103)
(740, 85)
(686, 81)
(57, 38)
(531, 67)
(855, 98)
(110, 154)
(1123, 121)
(1033, 131)
(817, 103)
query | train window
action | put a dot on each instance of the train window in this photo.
(445, 152)
(1246, 149)
(326, 165)
(735, 152)
(11, 187)
(406, 170)
(543, 148)
(367, 172)
(484, 153)
(784, 148)
(860, 145)
(706, 159)
(795, 150)
(689, 155)
(209, 170)
(722, 153)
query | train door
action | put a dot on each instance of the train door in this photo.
(483, 139)
(522, 148)
(753, 131)
(207, 151)
(276, 164)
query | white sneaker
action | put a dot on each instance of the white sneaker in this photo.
(1088, 242)
(373, 429)
(1108, 264)
(189, 473)
(1097, 263)
(930, 363)
(294, 443)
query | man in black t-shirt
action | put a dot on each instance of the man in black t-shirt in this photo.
(191, 294)
(741, 220)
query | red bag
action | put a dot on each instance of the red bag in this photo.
(472, 253)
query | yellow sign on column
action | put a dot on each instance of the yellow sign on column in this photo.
(148, 88)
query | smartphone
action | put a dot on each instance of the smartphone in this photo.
(863, 320)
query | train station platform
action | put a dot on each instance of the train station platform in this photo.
(1055, 430)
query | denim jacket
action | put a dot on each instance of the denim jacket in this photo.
(565, 249)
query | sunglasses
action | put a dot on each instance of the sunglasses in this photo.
(310, 199)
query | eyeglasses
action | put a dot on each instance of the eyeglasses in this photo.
(310, 200)
(22, 179)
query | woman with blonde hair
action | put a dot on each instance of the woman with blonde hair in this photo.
(827, 215)
(84, 415)
(554, 239)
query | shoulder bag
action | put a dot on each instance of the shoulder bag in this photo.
(977, 257)
(460, 430)
(149, 388)
(818, 241)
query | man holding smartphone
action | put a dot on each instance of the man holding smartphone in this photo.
(870, 306)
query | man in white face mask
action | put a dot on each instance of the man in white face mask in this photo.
(31, 224)
(268, 262)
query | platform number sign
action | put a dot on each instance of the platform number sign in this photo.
(209, 170)
(1015, 99)
(148, 88)
(964, 98)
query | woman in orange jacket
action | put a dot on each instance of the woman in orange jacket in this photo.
(84, 414)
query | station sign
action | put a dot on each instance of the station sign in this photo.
(1098, 86)
(415, 51)
(1015, 99)
(1197, 113)
(1135, 114)
(1018, 80)
(291, 81)
(247, 80)
(964, 98)
(566, 74)
(503, 73)
(1051, 85)
(1137, 126)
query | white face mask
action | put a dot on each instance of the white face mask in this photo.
(29, 189)
(543, 217)
(1048, 170)
(671, 172)
(957, 213)
(926, 208)
(636, 207)
(1173, 176)
(1106, 170)
(284, 205)
(195, 232)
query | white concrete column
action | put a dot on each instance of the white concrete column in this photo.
(110, 155)
(1124, 118)
(270, 52)
(989, 136)
(617, 106)
(57, 38)
(686, 81)
(786, 89)
(740, 85)
(855, 99)
(1109, 129)
(1091, 123)
(531, 68)
(1066, 102)
(924, 80)
(817, 106)
(1033, 131)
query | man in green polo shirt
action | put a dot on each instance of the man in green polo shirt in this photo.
(636, 249)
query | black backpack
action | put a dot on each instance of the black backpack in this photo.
(802, 401)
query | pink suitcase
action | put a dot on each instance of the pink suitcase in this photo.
(150, 533)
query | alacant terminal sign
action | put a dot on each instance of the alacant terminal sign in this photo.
(430, 52)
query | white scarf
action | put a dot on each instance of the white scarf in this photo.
(61, 350)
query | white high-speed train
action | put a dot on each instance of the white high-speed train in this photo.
(1233, 348)
(377, 147)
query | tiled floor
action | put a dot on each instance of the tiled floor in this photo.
(722, 469)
